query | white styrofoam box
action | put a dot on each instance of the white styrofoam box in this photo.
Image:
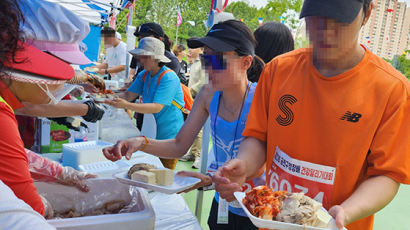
(75, 154)
(65, 198)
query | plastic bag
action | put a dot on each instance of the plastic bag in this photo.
(102, 197)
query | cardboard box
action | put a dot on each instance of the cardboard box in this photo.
(52, 136)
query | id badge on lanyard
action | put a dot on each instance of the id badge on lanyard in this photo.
(223, 205)
(292, 175)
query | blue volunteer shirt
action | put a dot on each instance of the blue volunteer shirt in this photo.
(169, 119)
(227, 137)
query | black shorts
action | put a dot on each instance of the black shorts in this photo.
(236, 222)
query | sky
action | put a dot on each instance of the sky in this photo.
(261, 3)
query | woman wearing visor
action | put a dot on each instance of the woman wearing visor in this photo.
(230, 61)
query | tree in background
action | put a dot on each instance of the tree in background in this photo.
(164, 12)
(195, 12)
(403, 64)
(271, 12)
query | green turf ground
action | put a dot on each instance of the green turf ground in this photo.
(393, 217)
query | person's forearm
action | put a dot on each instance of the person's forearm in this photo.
(116, 69)
(371, 196)
(170, 149)
(127, 95)
(41, 167)
(102, 66)
(49, 110)
(144, 107)
(253, 152)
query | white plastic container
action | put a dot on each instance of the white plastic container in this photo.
(62, 198)
(75, 154)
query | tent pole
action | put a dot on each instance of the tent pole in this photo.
(203, 167)
(127, 57)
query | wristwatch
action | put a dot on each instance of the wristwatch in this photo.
(106, 71)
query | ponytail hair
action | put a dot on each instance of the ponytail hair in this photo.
(257, 64)
(256, 68)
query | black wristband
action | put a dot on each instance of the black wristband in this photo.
(93, 113)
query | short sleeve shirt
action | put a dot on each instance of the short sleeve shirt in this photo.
(169, 119)
(116, 56)
(357, 122)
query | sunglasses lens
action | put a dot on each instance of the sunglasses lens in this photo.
(217, 62)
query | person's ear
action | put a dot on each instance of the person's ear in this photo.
(368, 13)
(247, 62)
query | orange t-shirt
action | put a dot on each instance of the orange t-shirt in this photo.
(325, 135)
(14, 171)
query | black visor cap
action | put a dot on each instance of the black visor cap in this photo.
(224, 38)
(344, 11)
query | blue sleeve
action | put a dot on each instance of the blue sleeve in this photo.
(137, 85)
(167, 89)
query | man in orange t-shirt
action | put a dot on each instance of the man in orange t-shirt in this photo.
(331, 121)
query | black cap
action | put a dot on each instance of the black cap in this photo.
(149, 29)
(341, 10)
(224, 38)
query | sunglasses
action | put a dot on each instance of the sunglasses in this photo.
(216, 61)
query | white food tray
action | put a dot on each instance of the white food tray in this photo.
(271, 224)
(180, 183)
(108, 168)
(75, 154)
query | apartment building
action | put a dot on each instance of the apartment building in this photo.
(387, 32)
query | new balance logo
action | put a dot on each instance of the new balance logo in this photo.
(352, 117)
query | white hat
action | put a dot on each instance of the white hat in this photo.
(150, 46)
(55, 29)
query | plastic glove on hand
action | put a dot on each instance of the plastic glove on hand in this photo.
(48, 209)
(94, 113)
(70, 176)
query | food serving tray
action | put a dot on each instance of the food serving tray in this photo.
(180, 183)
(277, 225)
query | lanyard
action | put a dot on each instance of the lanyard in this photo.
(236, 125)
